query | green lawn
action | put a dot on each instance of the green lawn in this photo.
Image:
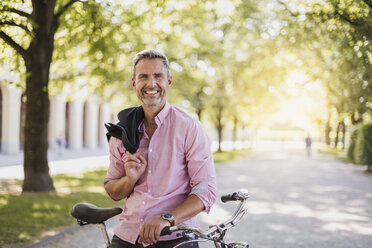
(31, 216)
(28, 217)
(338, 153)
(228, 156)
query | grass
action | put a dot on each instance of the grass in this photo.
(337, 153)
(28, 217)
(341, 155)
(228, 156)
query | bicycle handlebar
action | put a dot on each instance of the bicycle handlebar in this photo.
(238, 196)
(166, 231)
(229, 197)
(215, 230)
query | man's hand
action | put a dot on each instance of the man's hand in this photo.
(150, 232)
(135, 165)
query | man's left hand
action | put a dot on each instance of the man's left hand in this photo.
(150, 232)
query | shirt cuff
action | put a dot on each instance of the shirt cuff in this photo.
(205, 194)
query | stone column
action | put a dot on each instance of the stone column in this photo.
(11, 118)
(75, 125)
(57, 120)
(104, 116)
(91, 124)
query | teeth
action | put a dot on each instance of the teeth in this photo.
(151, 92)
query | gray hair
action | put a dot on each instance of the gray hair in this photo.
(150, 54)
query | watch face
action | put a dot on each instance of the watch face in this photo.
(167, 216)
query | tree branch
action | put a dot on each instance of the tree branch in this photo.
(13, 44)
(17, 11)
(10, 23)
(64, 8)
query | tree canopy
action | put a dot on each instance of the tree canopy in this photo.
(234, 62)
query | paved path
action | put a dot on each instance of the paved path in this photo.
(295, 202)
(301, 202)
(11, 166)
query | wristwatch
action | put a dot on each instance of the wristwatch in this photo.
(168, 217)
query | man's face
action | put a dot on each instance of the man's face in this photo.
(151, 82)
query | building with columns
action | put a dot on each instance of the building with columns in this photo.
(79, 124)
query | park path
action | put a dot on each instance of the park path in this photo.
(298, 201)
(295, 201)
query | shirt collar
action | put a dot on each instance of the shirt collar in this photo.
(163, 113)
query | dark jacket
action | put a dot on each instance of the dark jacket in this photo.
(127, 128)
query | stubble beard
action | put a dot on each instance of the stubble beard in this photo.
(151, 102)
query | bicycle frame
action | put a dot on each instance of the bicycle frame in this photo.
(87, 213)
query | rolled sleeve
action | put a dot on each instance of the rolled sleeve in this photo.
(117, 156)
(116, 168)
(200, 166)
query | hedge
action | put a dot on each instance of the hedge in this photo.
(363, 146)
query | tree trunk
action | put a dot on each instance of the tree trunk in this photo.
(199, 113)
(337, 135)
(327, 131)
(235, 131)
(343, 131)
(38, 62)
(219, 127)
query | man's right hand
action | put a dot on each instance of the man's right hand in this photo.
(135, 165)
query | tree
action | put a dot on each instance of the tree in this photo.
(30, 28)
(339, 35)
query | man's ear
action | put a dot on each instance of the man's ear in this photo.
(133, 82)
(170, 80)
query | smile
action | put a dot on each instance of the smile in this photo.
(151, 92)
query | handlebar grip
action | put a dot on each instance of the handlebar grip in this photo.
(166, 231)
(230, 197)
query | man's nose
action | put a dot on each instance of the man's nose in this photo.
(151, 82)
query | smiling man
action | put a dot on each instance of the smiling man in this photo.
(169, 177)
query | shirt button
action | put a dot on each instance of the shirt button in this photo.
(143, 203)
(141, 220)
(149, 191)
(150, 150)
(149, 171)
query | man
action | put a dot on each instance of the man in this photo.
(170, 178)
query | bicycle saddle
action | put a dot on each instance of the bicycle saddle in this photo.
(87, 213)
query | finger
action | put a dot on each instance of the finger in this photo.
(157, 232)
(130, 164)
(141, 240)
(132, 157)
(144, 236)
(143, 160)
(152, 234)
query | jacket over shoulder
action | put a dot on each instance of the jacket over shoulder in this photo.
(127, 128)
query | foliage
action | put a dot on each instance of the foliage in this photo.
(335, 37)
(363, 146)
(231, 60)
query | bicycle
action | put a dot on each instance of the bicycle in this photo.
(86, 213)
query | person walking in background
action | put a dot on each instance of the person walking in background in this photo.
(160, 160)
(61, 143)
(308, 142)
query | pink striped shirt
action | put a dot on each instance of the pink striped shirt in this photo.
(179, 163)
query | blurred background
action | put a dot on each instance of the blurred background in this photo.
(257, 74)
(249, 70)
